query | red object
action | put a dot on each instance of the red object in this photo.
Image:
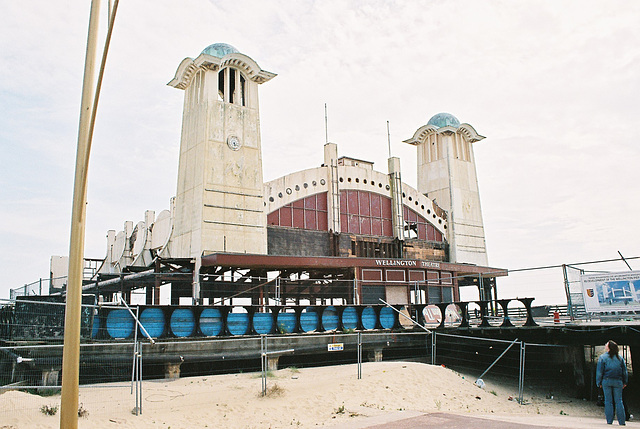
(556, 316)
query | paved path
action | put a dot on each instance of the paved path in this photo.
(417, 420)
(453, 421)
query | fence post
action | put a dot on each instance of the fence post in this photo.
(263, 360)
(433, 347)
(137, 372)
(521, 375)
(140, 377)
(135, 357)
(359, 355)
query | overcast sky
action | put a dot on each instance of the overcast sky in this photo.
(553, 85)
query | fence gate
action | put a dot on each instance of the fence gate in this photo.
(573, 289)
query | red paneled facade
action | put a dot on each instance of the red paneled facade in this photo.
(365, 213)
(422, 227)
(361, 213)
(306, 213)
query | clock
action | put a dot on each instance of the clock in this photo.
(233, 142)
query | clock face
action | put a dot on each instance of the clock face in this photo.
(233, 142)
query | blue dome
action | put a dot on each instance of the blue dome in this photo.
(444, 120)
(219, 50)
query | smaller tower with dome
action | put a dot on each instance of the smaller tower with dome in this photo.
(447, 174)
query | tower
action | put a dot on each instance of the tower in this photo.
(219, 201)
(447, 174)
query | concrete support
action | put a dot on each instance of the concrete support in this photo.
(50, 377)
(375, 355)
(172, 370)
(635, 354)
(575, 359)
(272, 363)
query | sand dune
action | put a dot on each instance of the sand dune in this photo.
(326, 396)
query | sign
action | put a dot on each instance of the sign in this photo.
(406, 263)
(336, 347)
(611, 291)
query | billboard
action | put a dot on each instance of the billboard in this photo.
(611, 291)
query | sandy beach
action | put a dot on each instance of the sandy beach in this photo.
(308, 397)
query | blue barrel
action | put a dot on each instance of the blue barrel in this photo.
(263, 323)
(238, 323)
(349, 318)
(120, 324)
(387, 318)
(368, 318)
(286, 322)
(95, 329)
(182, 322)
(330, 319)
(210, 322)
(309, 320)
(153, 321)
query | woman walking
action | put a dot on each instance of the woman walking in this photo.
(611, 375)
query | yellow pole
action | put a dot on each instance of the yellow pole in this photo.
(71, 351)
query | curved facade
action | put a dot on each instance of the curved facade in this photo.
(362, 212)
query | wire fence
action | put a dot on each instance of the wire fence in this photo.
(119, 360)
(528, 368)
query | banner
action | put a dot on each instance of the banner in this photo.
(611, 291)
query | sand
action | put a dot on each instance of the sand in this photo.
(308, 397)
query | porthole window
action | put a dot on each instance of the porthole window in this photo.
(357, 180)
(404, 195)
(306, 185)
(373, 183)
(297, 188)
(279, 194)
(445, 227)
(364, 181)
(348, 179)
(416, 202)
(314, 183)
(289, 191)
(434, 215)
(410, 199)
(271, 199)
(440, 221)
(341, 179)
(322, 182)
(428, 211)
(422, 207)
(380, 185)
(387, 187)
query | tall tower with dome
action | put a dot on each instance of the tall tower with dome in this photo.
(447, 174)
(219, 198)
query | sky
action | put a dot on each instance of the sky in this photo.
(552, 85)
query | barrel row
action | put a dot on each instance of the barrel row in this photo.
(218, 321)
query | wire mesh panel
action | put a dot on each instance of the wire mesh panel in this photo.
(471, 354)
(31, 377)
